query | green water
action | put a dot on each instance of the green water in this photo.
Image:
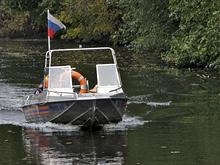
(172, 115)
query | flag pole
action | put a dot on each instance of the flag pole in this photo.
(46, 60)
(48, 37)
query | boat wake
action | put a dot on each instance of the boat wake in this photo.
(17, 118)
(10, 97)
(144, 99)
(127, 123)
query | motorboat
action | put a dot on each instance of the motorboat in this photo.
(62, 101)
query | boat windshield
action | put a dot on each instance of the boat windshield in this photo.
(107, 75)
(60, 77)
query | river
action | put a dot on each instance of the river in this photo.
(172, 115)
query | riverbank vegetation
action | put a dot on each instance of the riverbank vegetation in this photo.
(185, 33)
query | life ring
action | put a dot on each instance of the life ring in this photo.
(77, 76)
(82, 81)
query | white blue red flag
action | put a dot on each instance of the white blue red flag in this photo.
(54, 25)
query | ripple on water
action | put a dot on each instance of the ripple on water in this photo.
(145, 99)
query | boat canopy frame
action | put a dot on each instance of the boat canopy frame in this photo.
(48, 56)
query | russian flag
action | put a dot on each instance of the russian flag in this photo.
(54, 25)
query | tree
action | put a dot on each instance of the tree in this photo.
(196, 42)
(145, 25)
(88, 20)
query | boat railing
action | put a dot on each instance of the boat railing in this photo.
(31, 99)
(49, 53)
(26, 100)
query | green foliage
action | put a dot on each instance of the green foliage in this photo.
(196, 43)
(129, 26)
(12, 24)
(186, 31)
(146, 25)
(88, 20)
(5, 14)
(23, 18)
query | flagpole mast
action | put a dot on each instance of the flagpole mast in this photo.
(48, 37)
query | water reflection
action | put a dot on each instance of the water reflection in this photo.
(75, 148)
